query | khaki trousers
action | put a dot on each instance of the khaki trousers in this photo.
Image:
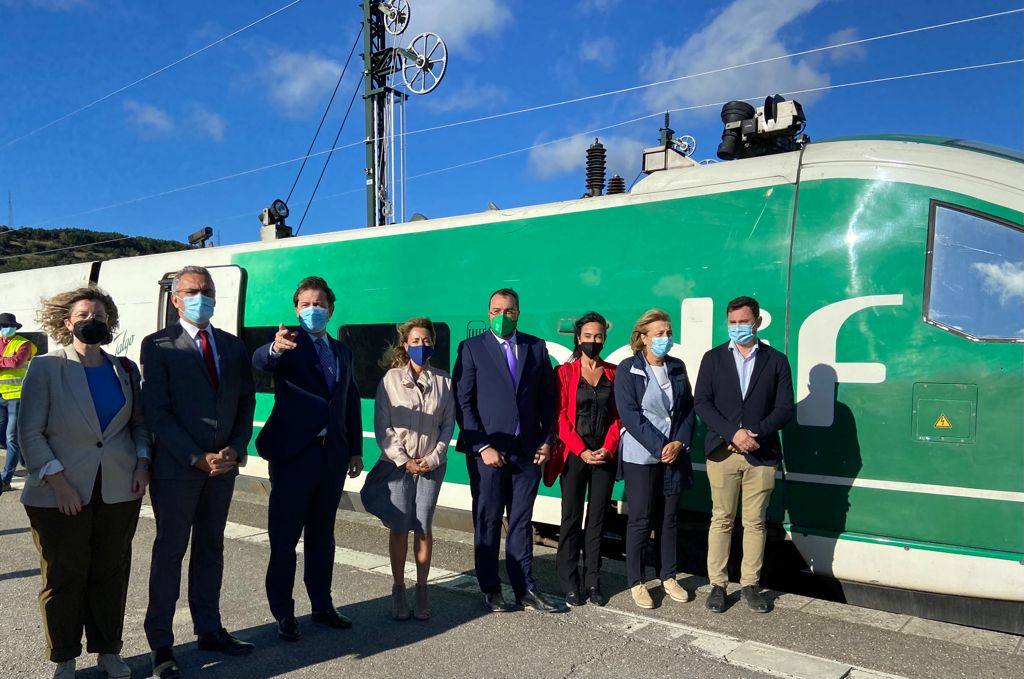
(731, 477)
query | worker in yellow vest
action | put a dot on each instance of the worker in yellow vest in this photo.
(15, 354)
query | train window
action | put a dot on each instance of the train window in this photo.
(974, 280)
(255, 337)
(369, 342)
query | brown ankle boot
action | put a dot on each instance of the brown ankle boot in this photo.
(422, 609)
(399, 606)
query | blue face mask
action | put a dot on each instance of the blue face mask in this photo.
(8, 332)
(420, 354)
(199, 308)
(313, 318)
(742, 334)
(660, 346)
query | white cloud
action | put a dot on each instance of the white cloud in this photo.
(208, 123)
(746, 30)
(457, 21)
(1005, 279)
(470, 96)
(570, 155)
(149, 119)
(298, 83)
(598, 50)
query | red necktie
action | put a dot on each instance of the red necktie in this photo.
(211, 366)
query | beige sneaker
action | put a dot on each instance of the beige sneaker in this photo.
(114, 666)
(675, 591)
(64, 670)
(641, 597)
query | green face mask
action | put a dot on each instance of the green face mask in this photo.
(503, 326)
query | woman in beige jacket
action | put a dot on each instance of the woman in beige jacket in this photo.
(414, 419)
(86, 449)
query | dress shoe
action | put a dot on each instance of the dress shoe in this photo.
(596, 596)
(641, 597)
(7, 487)
(164, 664)
(574, 599)
(222, 642)
(331, 618)
(716, 600)
(114, 665)
(65, 670)
(495, 602)
(755, 600)
(534, 600)
(288, 629)
(675, 591)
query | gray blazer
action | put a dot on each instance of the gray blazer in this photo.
(187, 416)
(57, 421)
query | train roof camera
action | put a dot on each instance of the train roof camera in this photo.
(776, 127)
(272, 218)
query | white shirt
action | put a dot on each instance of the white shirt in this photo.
(193, 332)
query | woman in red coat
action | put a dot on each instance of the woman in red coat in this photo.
(584, 457)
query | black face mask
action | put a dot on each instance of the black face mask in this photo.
(591, 349)
(91, 331)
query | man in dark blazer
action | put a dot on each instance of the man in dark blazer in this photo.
(504, 388)
(313, 437)
(198, 399)
(744, 394)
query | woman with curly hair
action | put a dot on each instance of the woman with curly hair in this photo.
(87, 451)
(414, 419)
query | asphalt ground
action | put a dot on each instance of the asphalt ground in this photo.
(802, 637)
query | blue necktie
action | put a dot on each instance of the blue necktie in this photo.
(326, 362)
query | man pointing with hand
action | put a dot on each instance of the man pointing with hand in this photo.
(312, 439)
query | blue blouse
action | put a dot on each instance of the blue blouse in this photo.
(107, 395)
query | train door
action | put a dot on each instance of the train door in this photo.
(229, 280)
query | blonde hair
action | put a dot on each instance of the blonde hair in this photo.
(396, 355)
(636, 342)
(57, 309)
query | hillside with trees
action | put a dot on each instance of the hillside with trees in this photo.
(38, 248)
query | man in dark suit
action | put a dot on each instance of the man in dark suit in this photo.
(506, 412)
(744, 394)
(313, 437)
(198, 398)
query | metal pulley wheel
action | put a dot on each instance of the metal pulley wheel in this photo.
(687, 144)
(396, 16)
(425, 64)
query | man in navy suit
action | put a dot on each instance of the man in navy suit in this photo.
(504, 388)
(313, 437)
(744, 394)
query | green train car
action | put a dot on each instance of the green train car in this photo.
(890, 269)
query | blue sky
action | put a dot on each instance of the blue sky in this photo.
(255, 99)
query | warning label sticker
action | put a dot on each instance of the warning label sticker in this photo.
(942, 422)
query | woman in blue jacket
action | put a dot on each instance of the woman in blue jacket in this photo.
(653, 397)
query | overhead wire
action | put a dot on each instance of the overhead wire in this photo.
(155, 73)
(324, 116)
(355, 92)
(505, 154)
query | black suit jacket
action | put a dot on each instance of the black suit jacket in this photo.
(490, 404)
(767, 408)
(303, 406)
(185, 413)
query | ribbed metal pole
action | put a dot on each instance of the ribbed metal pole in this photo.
(368, 107)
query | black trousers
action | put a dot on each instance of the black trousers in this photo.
(649, 509)
(85, 561)
(304, 495)
(195, 508)
(578, 478)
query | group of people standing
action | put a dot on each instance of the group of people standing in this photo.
(96, 431)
